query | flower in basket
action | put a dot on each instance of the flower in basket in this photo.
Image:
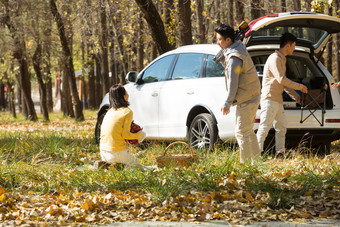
(134, 128)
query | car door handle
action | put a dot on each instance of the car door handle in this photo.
(190, 92)
(154, 94)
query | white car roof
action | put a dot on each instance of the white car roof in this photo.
(197, 48)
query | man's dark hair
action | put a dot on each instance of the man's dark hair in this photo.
(225, 31)
(287, 38)
(116, 96)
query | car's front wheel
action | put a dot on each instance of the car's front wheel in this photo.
(98, 126)
(203, 132)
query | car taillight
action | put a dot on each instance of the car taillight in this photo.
(257, 121)
(332, 120)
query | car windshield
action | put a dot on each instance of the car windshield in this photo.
(310, 35)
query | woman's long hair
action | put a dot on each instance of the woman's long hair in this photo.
(116, 96)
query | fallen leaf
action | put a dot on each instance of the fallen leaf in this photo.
(249, 197)
(2, 190)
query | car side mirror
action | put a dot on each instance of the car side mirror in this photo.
(131, 77)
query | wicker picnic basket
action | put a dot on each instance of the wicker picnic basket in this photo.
(176, 160)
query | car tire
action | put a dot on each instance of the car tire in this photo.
(202, 133)
(98, 126)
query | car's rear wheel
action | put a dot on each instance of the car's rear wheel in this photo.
(98, 126)
(202, 132)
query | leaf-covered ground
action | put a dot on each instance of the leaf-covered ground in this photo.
(47, 176)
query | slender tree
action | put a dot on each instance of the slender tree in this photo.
(337, 55)
(19, 53)
(155, 22)
(200, 21)
(104, 46)
(217, 11)
(283, 6)
(330, 46)
(69, 60)
(230, 15)
(42, 86)
(239, 11)
(184, 11)
(256, 9)
(140, 44)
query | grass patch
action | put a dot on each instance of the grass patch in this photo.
(57, 158)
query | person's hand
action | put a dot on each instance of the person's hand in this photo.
(298, 100)
(141, 139)
(225, 111)
(304, 89)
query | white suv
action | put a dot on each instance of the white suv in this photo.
(179, 95)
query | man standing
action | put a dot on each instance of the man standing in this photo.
(273, 83)
(243, 87)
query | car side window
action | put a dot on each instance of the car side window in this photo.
(188, 66)
(213, 69)
(158, 71)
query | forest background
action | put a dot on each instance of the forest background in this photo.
(76, 49)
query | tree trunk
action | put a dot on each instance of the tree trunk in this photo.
(239, 11)
(337, 55)
(104, 47)
(19, 96)
(83, 73)
(99, 94)
(24, 109)
(114, 77)
(26, 88)
(297, 8)
(200, 21)
(65, 94)
(217, 6)
(184, 10)
(11, 100)
(42, 86)
(155, 22)
(132, 66)
(153, 51)
(330, 47)
(308, 5)
(140, 45)
(297, 5)
(47, 61)
(114, 40)
(91, 83)
(24, 76)
(117, 29)
(230, 15)
(256, 9)
(69, 61)
(283, 6)
(19, 53)
(2, 96)
(49, 93)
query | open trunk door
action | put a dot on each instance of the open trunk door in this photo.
(311, 29)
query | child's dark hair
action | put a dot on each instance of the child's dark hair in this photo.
(287, 38)
(116, 96)
(226, 31)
